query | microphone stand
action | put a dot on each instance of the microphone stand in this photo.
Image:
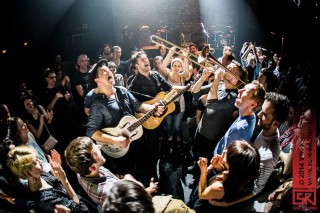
(206, 33)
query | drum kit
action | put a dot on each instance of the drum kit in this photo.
(217, 36)
(162, 32)
(222, 36)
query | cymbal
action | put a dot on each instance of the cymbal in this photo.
(218, 32)
(229, 27)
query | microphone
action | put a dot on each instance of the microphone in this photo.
(202, 25)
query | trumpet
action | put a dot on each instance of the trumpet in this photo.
(204, 60)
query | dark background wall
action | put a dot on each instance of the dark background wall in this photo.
(71, 27)
(74, 27)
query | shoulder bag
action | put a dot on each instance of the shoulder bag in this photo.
(50, 142)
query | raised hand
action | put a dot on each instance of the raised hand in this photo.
(55, 156)
(153, 186)
(203, 164)
(57, 170)
(218, 161)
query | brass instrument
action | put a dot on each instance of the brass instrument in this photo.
(204, 60)
(205, 55)
(163, 42)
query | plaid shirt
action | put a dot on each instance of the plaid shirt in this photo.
(97, 188)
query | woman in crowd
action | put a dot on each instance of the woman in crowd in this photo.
(178, 75)
(37, 119)
(238, 167)
(21, 135)
(47, 190)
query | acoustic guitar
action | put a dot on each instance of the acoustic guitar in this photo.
(130, 127)
(166, 100)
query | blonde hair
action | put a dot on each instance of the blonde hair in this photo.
(20, 159)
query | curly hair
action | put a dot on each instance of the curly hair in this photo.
(20, 160)
(135, 57)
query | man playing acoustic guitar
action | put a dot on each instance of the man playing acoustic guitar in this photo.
(114, 107)
(146, 86)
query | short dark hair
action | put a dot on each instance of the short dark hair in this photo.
(135, 57)
(133, 48)
(243, 75)
(281, 105)
(193, 45)
(47, 71)
(128, 196)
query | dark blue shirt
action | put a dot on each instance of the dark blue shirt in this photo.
(107, 112)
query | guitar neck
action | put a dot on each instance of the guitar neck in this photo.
(196, 78)
(139, 122)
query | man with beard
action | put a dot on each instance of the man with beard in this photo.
(145, 86)
(273, 112)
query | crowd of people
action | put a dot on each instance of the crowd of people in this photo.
(129, 130)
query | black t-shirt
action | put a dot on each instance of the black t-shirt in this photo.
(145, 89)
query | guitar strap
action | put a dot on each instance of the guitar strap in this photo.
(119, 98)
(156, 80)
(137, 93)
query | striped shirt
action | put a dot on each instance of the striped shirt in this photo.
(269, 150)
